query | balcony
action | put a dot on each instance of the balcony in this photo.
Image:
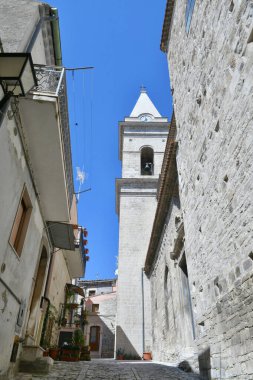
(45, 125)
(72, 313)
(76, 260)
(72, 316)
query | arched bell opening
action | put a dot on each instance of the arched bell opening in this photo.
(147, 161)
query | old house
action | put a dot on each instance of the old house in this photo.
(199, 259)
(41, 245)
(100, 310)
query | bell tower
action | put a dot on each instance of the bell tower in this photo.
(142, 143)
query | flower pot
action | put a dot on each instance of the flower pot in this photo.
(120, 357)
(85, 354)
(70, 355)
(147, 356)
(54, 353)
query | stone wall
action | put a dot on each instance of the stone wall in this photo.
(172, 329)
(212, 77)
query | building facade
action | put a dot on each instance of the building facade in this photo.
(209, 47)
(40, 246)
(142, 142)
(100, 310)
(173, 329)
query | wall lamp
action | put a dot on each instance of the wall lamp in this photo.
(17, 75)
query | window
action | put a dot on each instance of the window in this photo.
(21, 221)
(92, 293)
(95, 308)
(147, 161)
(188, 14)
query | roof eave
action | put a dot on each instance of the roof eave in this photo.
(167, 25)
(166, 191)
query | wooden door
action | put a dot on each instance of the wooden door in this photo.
(94, 338)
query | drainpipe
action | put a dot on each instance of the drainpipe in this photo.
(143, 313)
(45, 297)
(56, 37)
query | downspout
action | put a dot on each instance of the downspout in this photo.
(56, 37)
(45, 297)
(143, 314)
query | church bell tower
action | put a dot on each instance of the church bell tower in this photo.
(142, 143)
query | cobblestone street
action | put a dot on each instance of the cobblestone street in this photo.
(111, 370)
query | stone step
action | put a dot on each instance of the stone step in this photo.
(38, 366)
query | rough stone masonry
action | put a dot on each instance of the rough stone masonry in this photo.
(211, 71)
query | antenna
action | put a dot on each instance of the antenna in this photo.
(80, 178)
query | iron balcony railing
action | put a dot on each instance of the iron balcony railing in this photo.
(79, 244)
(72, 315)
(52, 82)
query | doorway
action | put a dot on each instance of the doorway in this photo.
(94, 338)
(37, 292)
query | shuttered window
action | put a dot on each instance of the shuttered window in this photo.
(21, 221)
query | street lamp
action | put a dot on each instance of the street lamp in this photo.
(17, 75)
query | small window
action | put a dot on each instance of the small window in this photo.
(147, 161)
(21, 221)
(92, 293)
(188, 14)
(95, 308)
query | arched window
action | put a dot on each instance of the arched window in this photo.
(147, 161)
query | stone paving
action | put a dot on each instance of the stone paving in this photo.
(102, 369)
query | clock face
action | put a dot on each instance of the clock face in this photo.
(145, 117)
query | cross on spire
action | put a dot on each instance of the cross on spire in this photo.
(143, 89)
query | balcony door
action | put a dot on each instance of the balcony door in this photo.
(94, 338)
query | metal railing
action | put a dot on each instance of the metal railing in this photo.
(79, 243)
(52, 82)
(72, 315)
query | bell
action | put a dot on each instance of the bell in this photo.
(147, 167)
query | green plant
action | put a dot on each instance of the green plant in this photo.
(120, 351)
(78, 338)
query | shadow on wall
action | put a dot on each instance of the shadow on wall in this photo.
(123, 344)
(108, 338)
(205, 364)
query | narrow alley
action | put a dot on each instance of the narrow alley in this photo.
(109, 369)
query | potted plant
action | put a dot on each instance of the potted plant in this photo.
(120, 354)
(70, 353)
(147, 356)
(54, 352)
(46, 352)
(78, 338)
(85, 353)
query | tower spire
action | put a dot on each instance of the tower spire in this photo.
(144, 105)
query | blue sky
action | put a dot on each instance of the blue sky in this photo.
(121, 39)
